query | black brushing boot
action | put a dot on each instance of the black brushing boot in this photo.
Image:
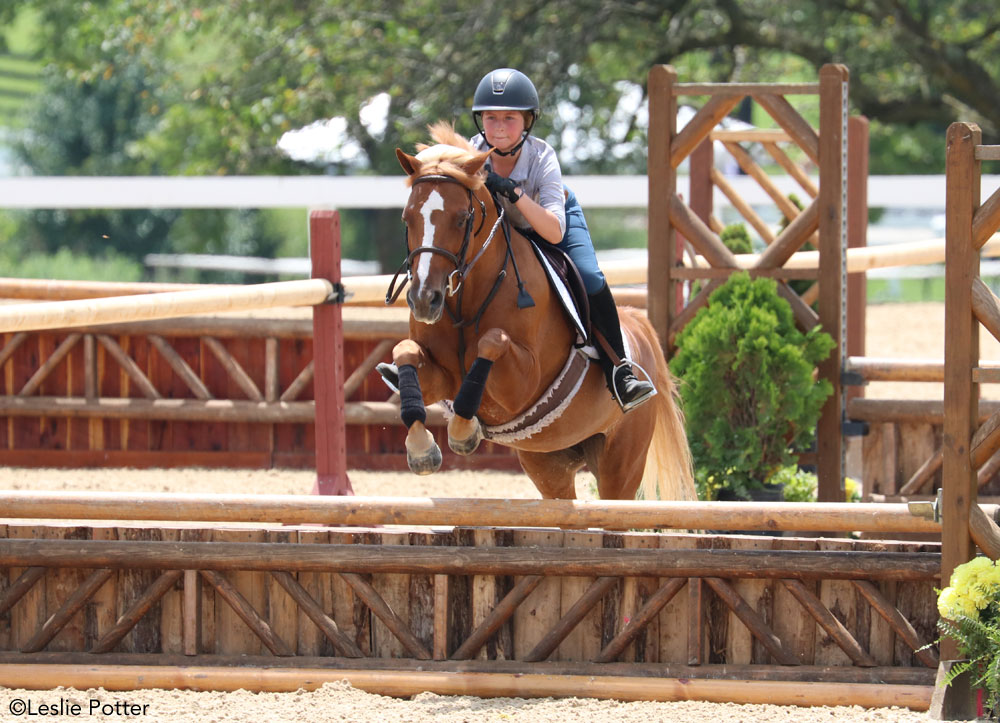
(624, 385)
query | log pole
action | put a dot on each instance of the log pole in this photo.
(367, 511)
(69, 314)
(354, 560)
(44, 676)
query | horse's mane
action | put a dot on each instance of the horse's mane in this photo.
(449, 155)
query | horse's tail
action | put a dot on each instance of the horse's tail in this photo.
(668, 472)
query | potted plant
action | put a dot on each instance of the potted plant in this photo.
(749, 388)
(970, 615)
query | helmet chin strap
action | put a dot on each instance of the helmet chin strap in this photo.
(512, 151)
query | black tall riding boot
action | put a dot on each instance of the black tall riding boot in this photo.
(625, 387)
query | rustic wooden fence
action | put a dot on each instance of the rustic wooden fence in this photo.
(518, 599)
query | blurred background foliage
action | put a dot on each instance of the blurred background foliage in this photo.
(181, 87)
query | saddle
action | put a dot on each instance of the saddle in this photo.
(566, 281)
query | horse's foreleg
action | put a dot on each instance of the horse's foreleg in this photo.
(423, 456)
(464, 430)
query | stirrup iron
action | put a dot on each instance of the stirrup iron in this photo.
(390, 375)
(625, 407)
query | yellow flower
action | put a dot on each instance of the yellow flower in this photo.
(974, 585)
(947, 603)
(852, 491)
(990, 576)
(967, 574)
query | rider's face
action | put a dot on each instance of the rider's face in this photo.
(503, 128)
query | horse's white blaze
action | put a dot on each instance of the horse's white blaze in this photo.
(434, 202)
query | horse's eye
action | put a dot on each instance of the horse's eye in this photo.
(464, 219)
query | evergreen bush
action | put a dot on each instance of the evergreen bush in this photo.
(737, 239)
(748, 385)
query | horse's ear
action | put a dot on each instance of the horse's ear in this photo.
(474, 165)
(409, 163)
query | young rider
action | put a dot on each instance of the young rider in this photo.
(524, 173)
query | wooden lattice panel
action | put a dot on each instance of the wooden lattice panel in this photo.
(415, 603)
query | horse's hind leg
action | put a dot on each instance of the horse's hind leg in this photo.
(621, 460)
(554, 473)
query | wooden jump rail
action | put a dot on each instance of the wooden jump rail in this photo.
(483, 684)
(366, 290)
(414, 511)
(410, 559)
(87, 312)
(875, 369)
(270, 404)
(286, 403)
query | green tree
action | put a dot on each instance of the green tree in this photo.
(228, 79)
(94, 118)
(249, 72)
(86, 127)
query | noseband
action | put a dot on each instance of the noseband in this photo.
(462, 268)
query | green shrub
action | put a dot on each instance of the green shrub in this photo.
(737, 239)
(797, 484)
(748, 385)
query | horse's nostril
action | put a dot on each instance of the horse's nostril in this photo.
(437, 298)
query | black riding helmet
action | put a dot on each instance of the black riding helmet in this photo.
(505, 89)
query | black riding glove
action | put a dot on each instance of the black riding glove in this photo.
(501, 186)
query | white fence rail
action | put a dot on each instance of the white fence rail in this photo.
(916, 192)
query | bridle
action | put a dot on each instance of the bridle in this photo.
(462, 268)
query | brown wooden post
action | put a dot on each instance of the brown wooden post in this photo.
(700, 190)
(701, 187)
(328, 360)
(961, 352)
(832, 161)
(857, 237)
(856, 300)
(662, 187)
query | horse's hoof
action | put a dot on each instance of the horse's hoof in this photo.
(427, 463)
(468, 445)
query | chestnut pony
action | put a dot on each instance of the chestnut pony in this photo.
(470, 342)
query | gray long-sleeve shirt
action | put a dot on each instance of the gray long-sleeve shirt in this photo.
(539, 175)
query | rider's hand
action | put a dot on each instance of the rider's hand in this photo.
(502, 186)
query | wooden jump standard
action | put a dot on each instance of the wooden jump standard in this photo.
(323, 292)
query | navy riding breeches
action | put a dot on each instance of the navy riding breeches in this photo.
(579, 246)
